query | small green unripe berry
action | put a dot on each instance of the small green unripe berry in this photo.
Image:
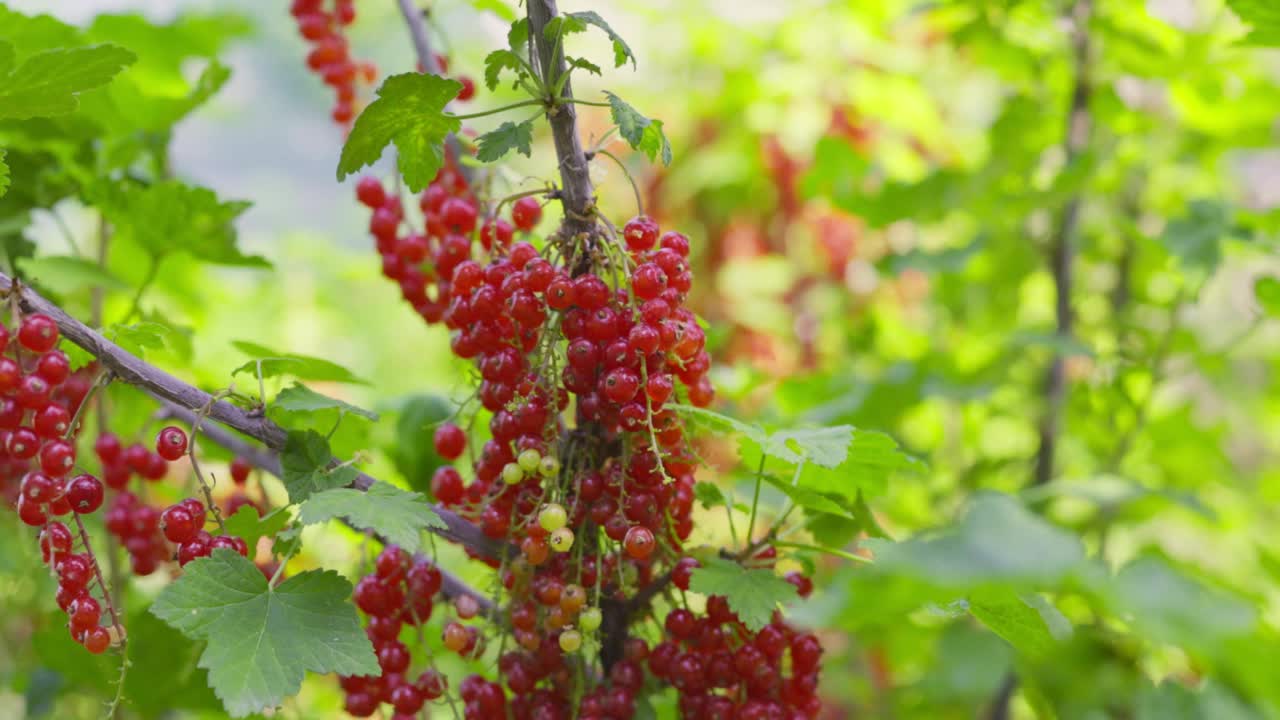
(570, 641)
(553, 517)
(529, 460)
(589, 620)
(512, 474)
(561, 540)
(549, 467)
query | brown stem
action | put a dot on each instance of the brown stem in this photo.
(1079, 128)
(97, 573)
(131, 370)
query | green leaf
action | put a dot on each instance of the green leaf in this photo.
(64, 274)
(170, 216)
(263, 640)
(1196, 238)
(709, 495)
(300, 398)
(1030, 624)
(497, 7)
(752, 594)
(1267, 290)
(804, 497)
(398, 515)
(621, 52)
(1169, 605)
(997, 541)
(499, 60)
(507, 137)
(409, 112)
(251, 527)
(303, 367)
(1264, 16)
(868, 519)
(305, 467)
(827, 447)
(639, 131)
(140, 337)
(4, 174)
(49, 82)
(518, 34)
(584, 64)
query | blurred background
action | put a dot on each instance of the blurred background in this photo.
(873, 191)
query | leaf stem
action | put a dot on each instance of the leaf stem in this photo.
(494, 111)
(592, 103)
(755, 500)
(827, 550)
(634, 188)
(201, 414)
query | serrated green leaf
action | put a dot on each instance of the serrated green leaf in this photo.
(621, 52)
(507, 137)
(499, 60)
(48, 83)
(251, 527)
(826, 447)
(1170, 605)
(1030, 624)
(304, 466)
(1267, 290)
(639, 131)
(170, 216)
(138, 338)
(518, 34)
(805, 498)
(409, 112)
(65, 274)
(300, 398)
(303, 367)
(399, 515)
(752, 594)
(709, 495)
(262, 640)
(584, 64)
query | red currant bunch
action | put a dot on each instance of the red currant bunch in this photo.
(330, 56)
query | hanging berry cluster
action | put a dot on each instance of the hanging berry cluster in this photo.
(330, 56)
(398, 594)
(598, 507)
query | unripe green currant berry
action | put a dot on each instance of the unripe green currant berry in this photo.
(529, 460)
(561, 540)
(589, 619)
(629, 574)
(552, 517)
(549, 467)
(570, 641)
(512, 474)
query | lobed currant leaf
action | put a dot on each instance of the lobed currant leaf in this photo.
(642, 133)
(49, 82)
(303, 367)
(497, 7)
(507, 137)
(518, 34)
(65, 274)
(399, 515)
(263, 640)
(752, 594)
(621, 51)
(499, 60)
(171, 216)
(409, 112)
(300, 398)
(247, 525)
(304, 466)
(140, 337)
(584, 64)
(709, 495)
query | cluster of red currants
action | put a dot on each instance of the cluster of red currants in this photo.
(723, 671)
(398, 594)
(329, 56)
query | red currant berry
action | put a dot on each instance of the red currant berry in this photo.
(526, 212)
(450, 441)
(640, 233)
(54, 367)
(370, 193)
(171, 443)
(639, 542)
(240, 471)
(38, 333)
(177, 525)
(57, 457)
(84, 492)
